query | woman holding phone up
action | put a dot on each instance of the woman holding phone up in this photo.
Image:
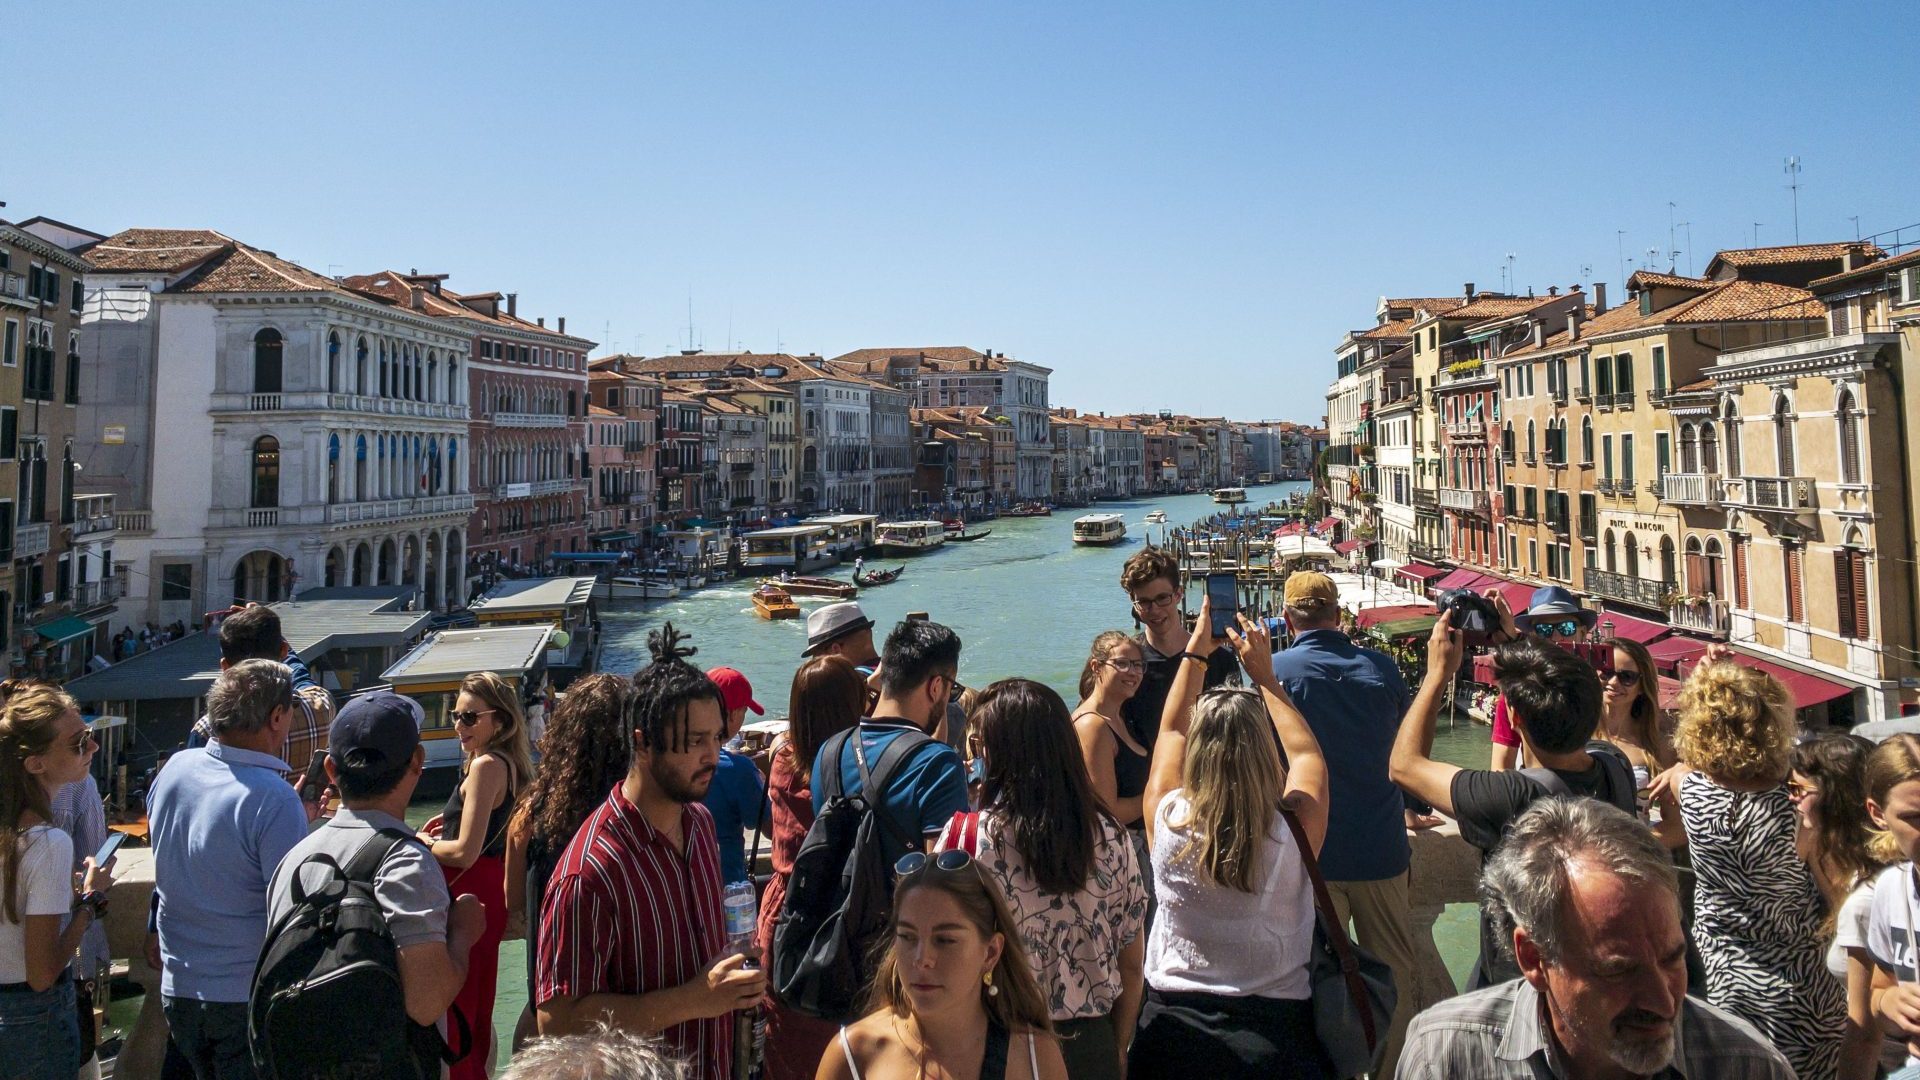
(1227, 960)
(44, 745)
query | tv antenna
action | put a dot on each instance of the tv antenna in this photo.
(1856, 226)
(1670, 208)
(1688, 227)
(1793, 184)
(1756, 232)
(1620, 249)
(1512, 283)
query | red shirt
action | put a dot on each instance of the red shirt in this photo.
(625, 913)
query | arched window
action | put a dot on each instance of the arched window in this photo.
(1586, 440)
(360, 366)
(333, 363)
(333, 467)
(1716, 581)
(1668, 572)
(383, 370)
(1849, 416)
(1731, 419)
(1783, 437)
(1530, 440)
(1709, 450)
(1689, 449)
(433, 375)
(1632, 558)
(266, 471)
(267, 350)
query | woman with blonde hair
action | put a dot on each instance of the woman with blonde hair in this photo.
(1759, 920)
(470, 839)
(1893, 804)
(44, 745)
(954, 995)
(1227, 959)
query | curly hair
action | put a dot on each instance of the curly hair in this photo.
(1892, 763)
(1736, 723)
(664, 688)
(1145, 567)
(587, 749)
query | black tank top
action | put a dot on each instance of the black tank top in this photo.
(496, 835)
(1129, 769)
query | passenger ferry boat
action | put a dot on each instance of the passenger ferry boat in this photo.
(847, 534)
(641, 585)
(798, 548)
(564, 603)
(909, 537)
(1099, 529)
(1230, 495)
(1157, 517)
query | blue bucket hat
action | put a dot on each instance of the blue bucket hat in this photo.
(1553, 602)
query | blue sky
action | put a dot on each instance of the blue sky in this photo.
(1177, 206)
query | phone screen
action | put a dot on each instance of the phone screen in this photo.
(114, 840)
(1223, 595)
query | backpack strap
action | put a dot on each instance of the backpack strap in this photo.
(831, 785)
(372, 854)
(1552, 781)
(876, 781)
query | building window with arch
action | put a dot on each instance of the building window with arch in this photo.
(1783, 436)
(1847, 414)
(333, 363)
(268, 350)
(266, 472)
(1731, 418)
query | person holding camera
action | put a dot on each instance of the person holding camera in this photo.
(1553, 616)
(1554, 699)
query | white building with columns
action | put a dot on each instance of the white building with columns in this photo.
(265, 430)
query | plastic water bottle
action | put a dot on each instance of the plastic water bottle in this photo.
(742, 915)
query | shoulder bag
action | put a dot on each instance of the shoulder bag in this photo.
(1353, 991)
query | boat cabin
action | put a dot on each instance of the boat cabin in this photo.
(848, 534)
(1099, 529)
(564, 603)
(799, 548)
(431, 674)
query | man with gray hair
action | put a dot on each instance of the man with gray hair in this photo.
(606, 1054)
(1587, 902)
(221, 819)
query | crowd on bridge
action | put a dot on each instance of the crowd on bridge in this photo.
(1200, 868)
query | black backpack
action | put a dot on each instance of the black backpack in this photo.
(840, 893)
(327, 999)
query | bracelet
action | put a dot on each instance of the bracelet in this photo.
(1193, 656)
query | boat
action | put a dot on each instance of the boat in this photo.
(909, 537)
(1099, 529)
(799, 548)
(642, 585)
(772, 602)
(814, 586)
(847, 534)
(1264, 478)
(1230, 495)
(1157, 517)
(880, 577)
(968, 538)
(1030, 509)
(432, 671)
(564, 603)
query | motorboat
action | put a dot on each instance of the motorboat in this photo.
(645, 585)
(1030, 509)
(815, 586)
(1099, 529)
(879, 577)
(1157, 517)
(909, 537)
(772, 602)
(1230, 495)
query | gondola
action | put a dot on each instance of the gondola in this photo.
(968, 538)
(880, 577)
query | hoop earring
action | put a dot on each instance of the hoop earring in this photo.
(992, 990)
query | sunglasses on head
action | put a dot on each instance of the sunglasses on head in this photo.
(470, 717)
(1559, 628)
(949, 861)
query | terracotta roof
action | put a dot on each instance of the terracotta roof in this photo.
(242, 269)
(396, 288)
(1555, 340)
(1792, 253)
(1694, 387)
(1863, 273)
(1642, 278)
(601, 410)
(1392, 328)
(869, 360)
(159, 251)
(1499, 307)
(1747, 301)
(1435, 304)
(685, 364)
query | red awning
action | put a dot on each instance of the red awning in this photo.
(1326, 523)
(1421, 572)
(1482, 672)
(1808, 690)
(1640, 630)
(1294, 529)
(1346, 546)
(1374, 616)
(1518, 595)
(1670, 652)
(1459, 579)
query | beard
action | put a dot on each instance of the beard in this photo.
(1638, 1054)
(690, 789)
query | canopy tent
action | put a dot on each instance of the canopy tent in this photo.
(1294, 547)
(1346, 547)
(1518, 595)
(1374, 616)
(1401, 629)
(1388, 564)
(1459, 579)
(1420, 573)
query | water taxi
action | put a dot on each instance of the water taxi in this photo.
(564, 603)
(815, 586)
(432, 671)
(1230, 495)
(847, 534)
(909, 537)
(1157, 517)
(1029, 509)
(640, 585)
(1099, 529)
(798, 548)
(772, 602)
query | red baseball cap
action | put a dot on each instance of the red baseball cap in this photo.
(735, 690)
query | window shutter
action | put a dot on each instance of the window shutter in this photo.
(1739, 573)
(1843, 586)
(1862, 619)
(1849, 441)
(1796, 608)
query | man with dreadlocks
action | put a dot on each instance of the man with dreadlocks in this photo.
(631, 927)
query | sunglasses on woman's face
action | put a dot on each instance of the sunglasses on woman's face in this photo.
(947, 862)
(1624, 677)
(1565, 628)
(470, 717)
(82, 741)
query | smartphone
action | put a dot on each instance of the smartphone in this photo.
(1223, 597)
(313, 785)
(918, 616)
(114, 840)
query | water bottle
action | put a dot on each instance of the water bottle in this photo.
(741, 909)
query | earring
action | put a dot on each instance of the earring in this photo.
(992, 990)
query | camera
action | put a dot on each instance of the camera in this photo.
(1473, 615)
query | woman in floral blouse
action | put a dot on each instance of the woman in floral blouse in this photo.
(1066, 867)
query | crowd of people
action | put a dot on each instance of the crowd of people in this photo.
(992, 882)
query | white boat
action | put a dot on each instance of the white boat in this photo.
(798, 548)
(1230, 495)
(1099, 529)
(909, 537)
(648, 585)
(1157, 517)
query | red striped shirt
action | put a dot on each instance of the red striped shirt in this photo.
(625, 913)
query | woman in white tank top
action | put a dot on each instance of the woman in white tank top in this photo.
(1227, 986)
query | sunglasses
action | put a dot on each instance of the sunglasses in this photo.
(1564, 628)
(82, 741)
(950, 861)
(1624, 677)
(470, 717)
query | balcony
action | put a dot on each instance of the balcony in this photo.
(398, 509)
(1692, 489)
(31, 540)
(1632, 590)
(740, 467)
(93, 594)
(1428, 552)
(323, 401)
(1466, 500)
(133, 521)
(1467, 429)
(1704, 616)
(1776, 494)
(528, 420)
(92, 514)
(1425, 497)
(533, 489)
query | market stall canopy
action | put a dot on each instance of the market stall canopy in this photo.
(1400, 629)
(1291, 547)
(1460, 579)
(63, 629)
(1518, 594)
(1388, 563)
(1371, 617)
(1345, 547)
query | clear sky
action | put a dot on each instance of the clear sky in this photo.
(1174, 205)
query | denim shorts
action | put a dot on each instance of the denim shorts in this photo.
(40, 1032)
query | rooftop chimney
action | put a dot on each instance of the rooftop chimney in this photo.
(1573, 325)
(1539, 333)
(1852, 259)
(542, 321)
(416, 297)
(563, 324)
(1469, 292)
(1599, 297)
(1553, 290)
(513, 305)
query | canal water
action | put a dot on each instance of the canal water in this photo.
(1025, 601)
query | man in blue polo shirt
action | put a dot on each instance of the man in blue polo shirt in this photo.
(222, 818)
(918, 669)
(738, 793)
(1353, 699)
